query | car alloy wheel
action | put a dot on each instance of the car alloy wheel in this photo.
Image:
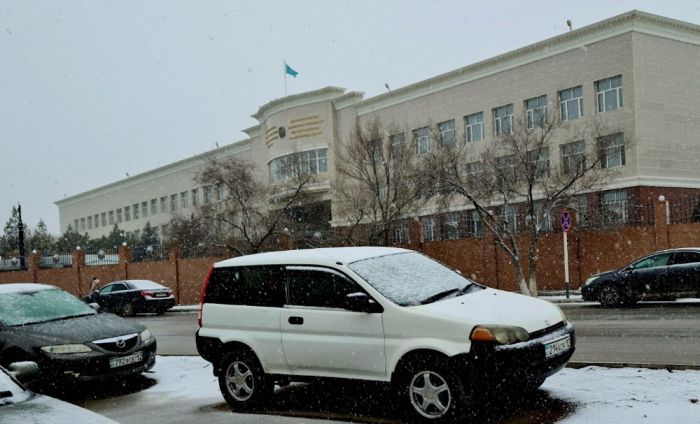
(430, 394)
(609, 296)
(239, 381)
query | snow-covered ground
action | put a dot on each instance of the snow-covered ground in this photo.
(600, 395)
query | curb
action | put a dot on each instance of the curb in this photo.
(667, 367)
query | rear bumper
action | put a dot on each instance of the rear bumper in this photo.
(515, 364)
(154, 305)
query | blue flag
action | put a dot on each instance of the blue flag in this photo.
(288, 69)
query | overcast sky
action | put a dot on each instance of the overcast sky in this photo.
(92, 90)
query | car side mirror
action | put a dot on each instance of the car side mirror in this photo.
(360, 302)
(25, 371)
(96, 306)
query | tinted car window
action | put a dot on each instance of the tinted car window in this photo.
(316, 287)
(653, 261)
(113, 288)
(686, 258)
(254, 286)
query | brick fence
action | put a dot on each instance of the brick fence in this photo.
(590, 251)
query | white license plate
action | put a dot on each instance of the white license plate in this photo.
(556, 347)
(126, 360)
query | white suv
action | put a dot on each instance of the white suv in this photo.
(373, 313)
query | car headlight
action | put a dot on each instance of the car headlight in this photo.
(502, 334)
(146, 335)
(590, 280)
(67, 349)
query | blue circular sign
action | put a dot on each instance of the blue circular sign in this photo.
(565, 220)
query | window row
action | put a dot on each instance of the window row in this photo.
(142, 210)
(289, 166)
(608, 97)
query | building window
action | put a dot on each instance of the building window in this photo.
(474, 224)
(510, 218)
(163, 204)
(581, 210)
(611, 150)
(207, 194)
(103, 219)
(401, 233)
(505, 169)
(452, 226)
(119, 216)
(144, 209)
(539, 162)
(287, 167)
(447, 132)
(111, 217)
(219, 192)
(428, 229)
(609, 93)
(137, 233)
(503, 120)
(474, 127)
(136, 211)
(75, 225)
(173, 202)
(195, 197)
(184, 199)
(127, 213)
(89, 223)
(96, 220)
(154, 206)
(571, 103)
(614, 208)
(421, 137)
(82, 224)
(536, 111)
(474, 171)
(398, 144)
(573, 157)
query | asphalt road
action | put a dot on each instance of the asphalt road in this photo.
(650, 333)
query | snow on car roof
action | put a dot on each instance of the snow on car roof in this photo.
(324, 256)
(23, 287)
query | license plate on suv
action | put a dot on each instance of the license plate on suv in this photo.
(126, 360)
(556, 347)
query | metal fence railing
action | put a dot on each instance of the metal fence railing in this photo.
(101, 257)
(684, 211)
(57, 260)
(13, 263)
(149, 254)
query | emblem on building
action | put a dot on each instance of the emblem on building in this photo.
(282, 132)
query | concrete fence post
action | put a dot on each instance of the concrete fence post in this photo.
(124, 259)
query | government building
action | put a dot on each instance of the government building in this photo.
(636, 72)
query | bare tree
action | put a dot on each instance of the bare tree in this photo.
(513, 188)
(378, 184)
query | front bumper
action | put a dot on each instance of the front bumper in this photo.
(93, 366)
(518, 363)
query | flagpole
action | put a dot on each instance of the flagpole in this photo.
(285, 78)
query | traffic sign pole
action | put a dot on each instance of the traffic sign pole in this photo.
(565, 227)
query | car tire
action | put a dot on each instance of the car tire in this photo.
(610, 297)
(431, 392)
(243, 382)
(127, 310)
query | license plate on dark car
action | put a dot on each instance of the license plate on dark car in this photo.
(126, 360)
(556, 347)
(161, 295)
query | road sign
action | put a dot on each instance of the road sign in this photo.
(565, 220)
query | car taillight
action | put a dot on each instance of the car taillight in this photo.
(204, 292)
(145, 293)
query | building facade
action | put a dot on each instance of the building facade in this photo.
(636, 73)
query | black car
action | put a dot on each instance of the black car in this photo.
(663, 275)
(130, 297)
(69, 340)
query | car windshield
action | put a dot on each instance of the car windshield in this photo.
(10, 391)
(145, 284)
(40, 306)
(409, 279)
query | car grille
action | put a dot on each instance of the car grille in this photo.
(545, 331)
(118, 344)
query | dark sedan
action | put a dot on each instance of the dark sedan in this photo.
(69, 340)
(664, 275)
(130, 297)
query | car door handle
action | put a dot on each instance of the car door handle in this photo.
(296, 320)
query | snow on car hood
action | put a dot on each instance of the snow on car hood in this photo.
(43, 409)
(490, 306)
(79, 329)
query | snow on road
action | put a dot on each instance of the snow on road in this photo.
(620, 395)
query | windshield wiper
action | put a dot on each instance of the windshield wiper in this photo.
(440, 295)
